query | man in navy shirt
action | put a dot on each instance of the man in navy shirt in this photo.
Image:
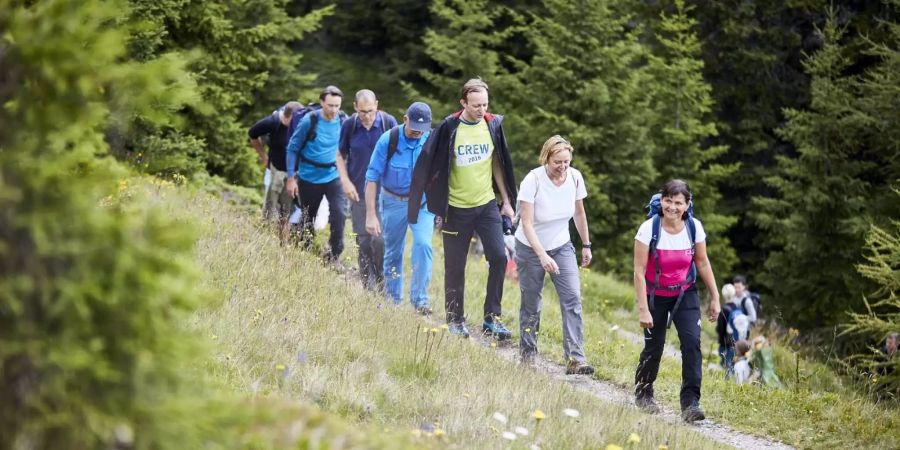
(275, 127)
(320, 173)
(359, 134)
(392, 168)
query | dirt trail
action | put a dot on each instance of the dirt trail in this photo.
(610, 393)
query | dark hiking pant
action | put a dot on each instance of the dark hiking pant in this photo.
(457, 230)
(371, 248)
(687, 322)
(310, 198)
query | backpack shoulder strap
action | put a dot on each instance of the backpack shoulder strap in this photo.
(655, 230)
(393, 140)
(311, 133)
(384, 121)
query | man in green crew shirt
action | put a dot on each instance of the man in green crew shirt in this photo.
(464, 161)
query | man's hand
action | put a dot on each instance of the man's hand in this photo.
(507, 210)
(264, 160)
(291, 187)
(586, 257)
(373, 227)
(350, 190)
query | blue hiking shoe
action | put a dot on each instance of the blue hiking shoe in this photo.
(495, 327)
(459, 329)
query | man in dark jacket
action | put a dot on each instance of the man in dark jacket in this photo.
(275, 127)
(463, 165)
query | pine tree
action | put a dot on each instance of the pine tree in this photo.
(683, 122)
(244, 67)
(882, 316)
(93, 292)
(836, 187)
(466, 41)
(584, 80)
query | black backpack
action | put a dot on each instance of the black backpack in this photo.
(753, 297)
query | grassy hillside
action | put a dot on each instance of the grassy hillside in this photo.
(290, 329)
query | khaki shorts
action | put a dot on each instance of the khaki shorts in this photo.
(278, 202)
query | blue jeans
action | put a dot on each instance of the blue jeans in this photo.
(394, 216)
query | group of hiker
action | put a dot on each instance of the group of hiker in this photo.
(458, 177)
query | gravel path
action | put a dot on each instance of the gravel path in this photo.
(610, 393)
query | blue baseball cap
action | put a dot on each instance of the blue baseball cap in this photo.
(419, 115)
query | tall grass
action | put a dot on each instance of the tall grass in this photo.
(288, 328)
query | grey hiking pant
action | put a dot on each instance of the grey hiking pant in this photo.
(568, 288)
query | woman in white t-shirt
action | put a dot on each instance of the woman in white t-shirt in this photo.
(668, 272)
(549, 197)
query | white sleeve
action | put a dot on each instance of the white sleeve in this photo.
(645, 232)
(528, 189)
(580, 189)
(701, 233)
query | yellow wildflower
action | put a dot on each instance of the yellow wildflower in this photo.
(633, 438)
(613, 447)
(539, 415)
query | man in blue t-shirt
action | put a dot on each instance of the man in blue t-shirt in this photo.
(359, 134)
(320, 172)
(392, 169)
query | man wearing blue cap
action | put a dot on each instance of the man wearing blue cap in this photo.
(392, 166)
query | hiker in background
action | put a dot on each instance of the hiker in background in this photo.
(465, 157)
(549, 197)
(391, 168)
(665, 286)
(888, 352)
(321, 172)
(277, 204)
(726, 338)
(763, 362)
(742, 372)
(891, 342)
(748, 301)
(358, 137)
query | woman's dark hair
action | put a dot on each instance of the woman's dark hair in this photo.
(675, 187)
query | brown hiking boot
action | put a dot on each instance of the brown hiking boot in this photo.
(579, 368)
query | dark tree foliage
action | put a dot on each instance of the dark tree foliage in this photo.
(837, 185)
(242, 63)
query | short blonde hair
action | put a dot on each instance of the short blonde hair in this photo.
(554, 145)
(473, 85)
(728, 292)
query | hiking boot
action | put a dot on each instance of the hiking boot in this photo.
(528, 360)
(459, 329)
(496, 328)
(647, 404)
(579, 368)
(424, 310)
(692, 413)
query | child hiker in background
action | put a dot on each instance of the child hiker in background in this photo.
(763, 360)
(741, 364)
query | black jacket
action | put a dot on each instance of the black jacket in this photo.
(431, 176)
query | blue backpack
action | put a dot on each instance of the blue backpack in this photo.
(654, 211)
